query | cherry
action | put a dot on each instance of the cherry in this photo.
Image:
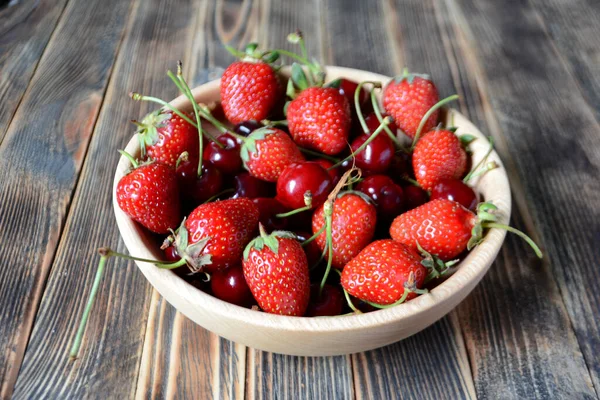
(347, 88)
(373, 123)
(386, 194)
(334, 173)
(455, 190)
(230, 285)
(227, 159)
(401, 167)
(171, 254)
(248, 186)
(414, 196)
(312, 250)
(268, 209)
(198, 189)
(297, 178)
(376, 156)
(329, 303)
(247, 127)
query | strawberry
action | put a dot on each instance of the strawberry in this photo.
(149, 195)
(383, 271)
(249, 91)
(352, 226)
(438, 155)
(407, 98)
(164, 136)
(276, 270)
(319, 118)
(214, 235)
(267, 151)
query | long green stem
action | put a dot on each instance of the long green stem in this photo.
(317, 154)
(329, 231)
(293, 212)
(380, 117)
(313, 237)
(385, 122)
(529, 241)
(159, 264)
(132, 160)
(359, 114)
(399, 301)
(472, 172)
(350, 303)
(428, 114)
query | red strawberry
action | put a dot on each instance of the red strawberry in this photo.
(267, 151)
(381, 272)
(214, 235)
(353, 226)
(319, 118)
(164, 136)
(407, 99)
(149, 195)
(276, 271)
(249, 91)
(442, 227)
(438, 155)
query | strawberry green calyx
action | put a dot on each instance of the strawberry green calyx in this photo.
(409, 77)
(435, 266)
(192, 254)
(147, 131)
(316, 73)
(410, 286)
(252, 54)
(356, 193)
(269, 240)
(132, 160)
(249, 145)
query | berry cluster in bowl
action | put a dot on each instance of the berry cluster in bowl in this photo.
(304, 198)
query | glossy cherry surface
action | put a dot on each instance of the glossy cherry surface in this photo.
(268, 209)
(387, 195)
(414, 196)
(329, 303)
(335, 173)
(455, 190)
(171, 254)
(248, 186)
(247, 127)
(313, 253)
(297, 178)
(376, 156)
(196, 190)
(347, 88)
(373, 123)
(227, 159)
(401, 167)
(230, 285)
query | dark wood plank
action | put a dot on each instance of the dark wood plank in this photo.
(25, 29)
(515, 324)
(109, 362)
(40, 160)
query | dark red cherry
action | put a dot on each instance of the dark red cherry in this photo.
(248, 186)
(373, 123)
(335, 173)
(401, 167)
(196, 190)
(298, 178)
(230, 285)
(376, 156)
(247, 127)
(347, 88)
(268, 209)
(455, 190)
(361, 305)
(171, 254)
(227, 159)
(312, 250)
(414, 196)
(329, 303)
(387, 195)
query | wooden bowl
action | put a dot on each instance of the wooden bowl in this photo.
(322, 336)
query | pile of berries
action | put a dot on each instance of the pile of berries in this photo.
(306, 178)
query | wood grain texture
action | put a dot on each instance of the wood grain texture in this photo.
(40, 159)
(515, 324)
(25, 29)
(110, 356)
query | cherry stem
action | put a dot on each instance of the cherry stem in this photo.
(471, 174)
(428, 114)
(386, 121)
(129, 157)
(234, 52)
(216, 196)
(317, 154)
(399, 301)
(313, 237)
(313, 69)
(293, 212)
(359, 114)
(267, 122)
(527, 239)
(160, 264)
(411, 181)
(379, 116)
(348, 300)
(329, 233)
(88, 307)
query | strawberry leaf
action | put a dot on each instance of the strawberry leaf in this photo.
(299, 77)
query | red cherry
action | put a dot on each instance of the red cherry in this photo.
(197, 190)
(230, 285)
(251, 187)
(401, 166)
(268, 209)
(414, 196)
(329, 303)
(171, 254)
(297, 178)
(312, 250)
(373, 123)
(347, 88)
(335, 173)
(455, 190)
(376, 156)
(386, 194)
(247, 127)
(226, 159)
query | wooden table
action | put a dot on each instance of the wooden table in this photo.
(528, 74)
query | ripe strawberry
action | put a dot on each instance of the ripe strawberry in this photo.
(438, 155)
(249, 91)
(380, 272)
(353, 226)
(276, 270)
(407, 99)
(267, 151)
(319, 118)
(164, 136)
(214, 235)
(149, 195)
